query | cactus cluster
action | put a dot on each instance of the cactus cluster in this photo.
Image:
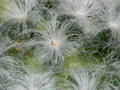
(59, 44)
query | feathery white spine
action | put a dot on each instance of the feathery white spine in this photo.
(110, 17)
(53, 44)
(33, 81)
(18, 10)
(82, 10)
(9, 68)
(110, 87)
(85, 80)
(5, 45)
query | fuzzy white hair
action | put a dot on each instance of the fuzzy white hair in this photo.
(9, 68)
(5, 44)
(53, 43)
(33, 81)
(110, 87)
(85, 79)
(109, 18)
(82, 10)
(17, 13)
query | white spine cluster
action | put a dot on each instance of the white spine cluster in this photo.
(82, 10)
(110, 17)
(49, 31)
(85, 80)
(53, 44)
(33, 81)
(18, 12)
